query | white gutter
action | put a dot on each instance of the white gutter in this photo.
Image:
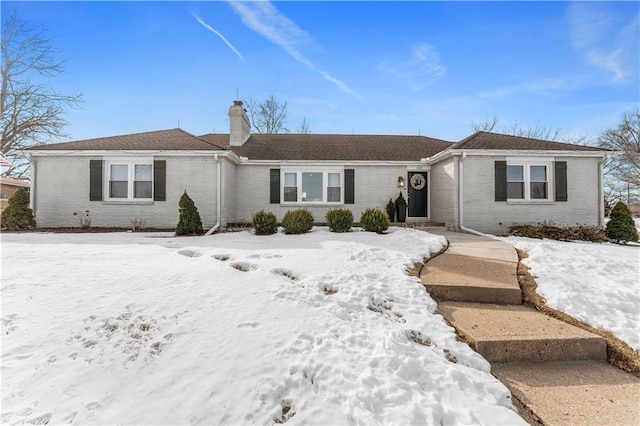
(32, 190)
(218, 198)
(461, 200)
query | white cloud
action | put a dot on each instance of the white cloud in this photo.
(263, 18)
(213, 30)
(420, 71)
(604, 39)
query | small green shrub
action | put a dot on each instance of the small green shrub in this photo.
(621, 226)
(18, 215)
(339, 220)
(190, 222)
(374, 220)
(548, 230)
(297, 221)
(391, 210)
(265, 223)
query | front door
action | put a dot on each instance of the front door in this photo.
(418, 199)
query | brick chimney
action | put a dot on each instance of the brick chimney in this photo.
(239, 125)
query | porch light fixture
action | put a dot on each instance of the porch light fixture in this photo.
(400, 182)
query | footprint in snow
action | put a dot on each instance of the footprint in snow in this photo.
(248, 325)
(286, 273)
(189, 253)
(244, 266)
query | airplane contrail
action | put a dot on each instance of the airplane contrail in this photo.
(216, 32)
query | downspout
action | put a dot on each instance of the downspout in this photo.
(461, 200)
(218, 197)
(32, 186)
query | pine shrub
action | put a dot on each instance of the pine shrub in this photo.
(297, 221)
(190, 222)
(18, 215)
(265, 223)
(621, 226)
(339, 220)
(374, 220)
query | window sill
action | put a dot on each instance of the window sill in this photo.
(128, 202)
(530, 202)
(311, 204)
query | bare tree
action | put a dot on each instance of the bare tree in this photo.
(622, 171)
(535, 132)
(269, 116)
(31, 112)
(304, 128)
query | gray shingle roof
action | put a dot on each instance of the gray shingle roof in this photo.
(161, 140)
(334, 147)
(486, 140)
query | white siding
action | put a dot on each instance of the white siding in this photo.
(483, 213)
(62, 185)
(444, 192)
(229, 185)
(374, 185)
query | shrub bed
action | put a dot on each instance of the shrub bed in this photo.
(593, 234)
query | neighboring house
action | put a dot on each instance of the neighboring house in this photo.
(487, 182)
(9, 186)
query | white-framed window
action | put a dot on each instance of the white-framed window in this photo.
(528, 181)
(129, 180)
(312, 186)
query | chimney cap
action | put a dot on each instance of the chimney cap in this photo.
(237, 103)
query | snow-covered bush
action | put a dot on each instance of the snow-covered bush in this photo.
(339, 220)
(264, 223)
(190, 222)
(297, 221)
(374, 220)
(621, 226)
(18, 215)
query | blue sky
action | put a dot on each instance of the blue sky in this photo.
(429, 68)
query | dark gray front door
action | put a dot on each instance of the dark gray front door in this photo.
(418, 194)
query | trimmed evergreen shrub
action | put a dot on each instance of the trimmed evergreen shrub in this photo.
(18, 215)
(265, 223)
(190, 222)
(297, 221)
(374, 220)
(391, 210)
(621, 226)
(339, 220)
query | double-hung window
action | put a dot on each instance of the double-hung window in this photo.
(129, 181)
(312, 186)
(528, 181)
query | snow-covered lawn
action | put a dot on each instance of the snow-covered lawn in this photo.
(233, 329)
(596, 283)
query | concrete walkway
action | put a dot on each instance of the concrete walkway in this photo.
(557, 373)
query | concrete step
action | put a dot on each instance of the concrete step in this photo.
(511, 333)
(573, 393)
(462, 278)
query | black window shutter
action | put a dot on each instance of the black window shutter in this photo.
(349, 186)
(275, 186)
(95, 180)
(501, 180)
(561, 180)
(160, 180)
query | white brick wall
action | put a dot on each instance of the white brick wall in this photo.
(444, 192)
(483, 213)
(62, 185)
(374, 185)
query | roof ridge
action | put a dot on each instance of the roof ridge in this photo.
(200, 139)
(532, 139)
